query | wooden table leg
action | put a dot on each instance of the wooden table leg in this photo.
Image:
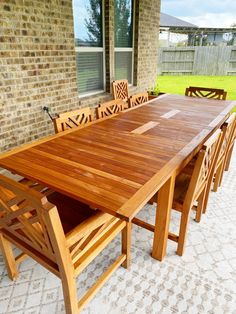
(165, 200)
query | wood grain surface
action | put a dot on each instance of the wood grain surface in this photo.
(110, 166)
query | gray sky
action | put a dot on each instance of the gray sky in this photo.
(80, 14)
(215, 13)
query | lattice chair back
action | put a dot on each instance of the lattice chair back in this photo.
(110, 107)
(204, 167)
(227, 135)
(138, 99)
(230, 144)
(120, 90)
(228, 129)
(73, 119)
(233, 131)
(24, 218)
(213, 93)
(233, 115)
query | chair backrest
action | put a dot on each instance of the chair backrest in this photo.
(233, 138)
(228, 130)
(73, 119)
(25, 220)
(204, 167)
(214, 93)
(120, 89)
(110, 107)
(138, 99)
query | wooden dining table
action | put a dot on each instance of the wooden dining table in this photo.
(118, 163)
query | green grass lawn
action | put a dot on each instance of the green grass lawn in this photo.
(178, 84)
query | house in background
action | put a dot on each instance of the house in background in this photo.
(176, 32)
(65, 54)
(170, 34)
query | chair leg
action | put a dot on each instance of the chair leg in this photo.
(126, 244)
(218, 177)
(70, 295)
(222, 174)
(228, 158)
(9, 258)
(200, 206)
(207, 192)
(64, 260)
(183, 231)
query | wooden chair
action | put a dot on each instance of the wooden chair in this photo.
(72, 119)
(195, 188)
(60, 233)
(138, 99)
(120, 90)
(228, 130)
(230, 147)
(213, 93)
(110, 107)
(228, 134)
(192, 188)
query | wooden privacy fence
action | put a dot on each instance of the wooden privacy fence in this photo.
(197, 61)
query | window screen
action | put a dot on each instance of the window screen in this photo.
(123, 65)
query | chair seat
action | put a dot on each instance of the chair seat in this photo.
(71, 211)
(190, 166)
(181, 187)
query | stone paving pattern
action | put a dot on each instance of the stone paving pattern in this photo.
(202, 281)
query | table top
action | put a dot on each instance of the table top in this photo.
(117, 164)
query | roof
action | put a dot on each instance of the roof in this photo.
(167, 20)
(200, 30)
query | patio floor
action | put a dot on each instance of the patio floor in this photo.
(202, 281)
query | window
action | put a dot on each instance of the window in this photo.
(124, 40)
(88, 29)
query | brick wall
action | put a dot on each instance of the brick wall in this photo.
(146, 42)
(37, 63)
(109, 43)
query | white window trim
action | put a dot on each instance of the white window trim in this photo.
(92, 93)
(96, 49)
(89, 49)
(123, 49)
(129, 49)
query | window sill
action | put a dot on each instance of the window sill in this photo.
(94, 93)
(93, 100)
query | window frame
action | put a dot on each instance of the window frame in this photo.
(128, 49)
(102, 49)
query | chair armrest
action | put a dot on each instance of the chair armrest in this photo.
(86, 227)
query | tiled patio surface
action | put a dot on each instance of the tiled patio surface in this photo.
(202, 281)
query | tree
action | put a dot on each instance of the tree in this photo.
(123, 23)
(233, 25)
(94, 22)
